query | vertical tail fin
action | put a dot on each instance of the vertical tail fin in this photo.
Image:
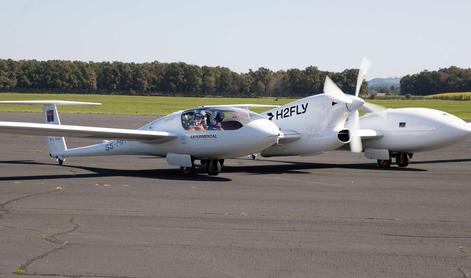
(55, 145)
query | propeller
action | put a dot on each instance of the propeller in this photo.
(334, 92)
(353, 104)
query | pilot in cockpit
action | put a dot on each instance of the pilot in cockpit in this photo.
(200, 121)
(216, 121)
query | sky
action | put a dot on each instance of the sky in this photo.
(398, 37)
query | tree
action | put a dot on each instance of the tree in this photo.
(263, 75)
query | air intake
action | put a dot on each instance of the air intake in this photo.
(344, 136)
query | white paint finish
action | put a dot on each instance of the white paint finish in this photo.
(179, 159)
(317, 126)
(377, 153)
(82, 131)
(425, 129)
(51, 102)
(159, 137)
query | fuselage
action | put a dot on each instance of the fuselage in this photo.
(241, 133)
(414, 129)
(317, 119)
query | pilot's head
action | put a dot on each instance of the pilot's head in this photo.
(219, 116)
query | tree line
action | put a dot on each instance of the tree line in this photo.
(452, 79)
(157, 78)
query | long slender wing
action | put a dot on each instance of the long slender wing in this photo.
(248, 105)
(47, 102)
(84, 131)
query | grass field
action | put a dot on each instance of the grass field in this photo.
(451, 96)
(156, 105)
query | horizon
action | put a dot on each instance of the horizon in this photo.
(400, 39)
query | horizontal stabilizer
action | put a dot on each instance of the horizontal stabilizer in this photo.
(50, 102)
(84, 131)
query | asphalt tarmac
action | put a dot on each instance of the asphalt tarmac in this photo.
(332, 215)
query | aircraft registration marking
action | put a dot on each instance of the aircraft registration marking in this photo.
(114, 144)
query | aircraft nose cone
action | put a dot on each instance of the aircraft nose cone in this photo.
(459, 128)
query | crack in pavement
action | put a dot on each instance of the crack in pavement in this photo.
(465, 275)
(3, 206)
(52, 238)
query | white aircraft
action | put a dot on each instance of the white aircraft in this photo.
(307, 126)
(327, 121)
(207, 133)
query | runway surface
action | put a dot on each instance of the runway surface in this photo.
(333, 215)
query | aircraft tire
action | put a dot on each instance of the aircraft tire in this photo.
(384, 163)
(402, 160)
(213, 167)
(188, 171)
(60, 161)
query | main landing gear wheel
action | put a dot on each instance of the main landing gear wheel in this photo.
(384, 163)
(402, 159)
(60, 161)
(214, 166)
(188, 171)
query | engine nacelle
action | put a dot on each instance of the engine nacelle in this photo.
(344, 136)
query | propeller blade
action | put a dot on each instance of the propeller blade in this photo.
(334, 92)
(371, 108)
(364, 67)
(354, 126)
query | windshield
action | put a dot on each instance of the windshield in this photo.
(211, 118)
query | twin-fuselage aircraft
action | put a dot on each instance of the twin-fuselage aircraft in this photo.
(211, 134)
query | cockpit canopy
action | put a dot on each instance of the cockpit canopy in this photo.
(214, 118)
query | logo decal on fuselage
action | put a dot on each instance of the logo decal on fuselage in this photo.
(288, 111)
(203, 136)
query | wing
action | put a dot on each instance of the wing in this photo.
(84, 131)
(247, 106)
(50, 102)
